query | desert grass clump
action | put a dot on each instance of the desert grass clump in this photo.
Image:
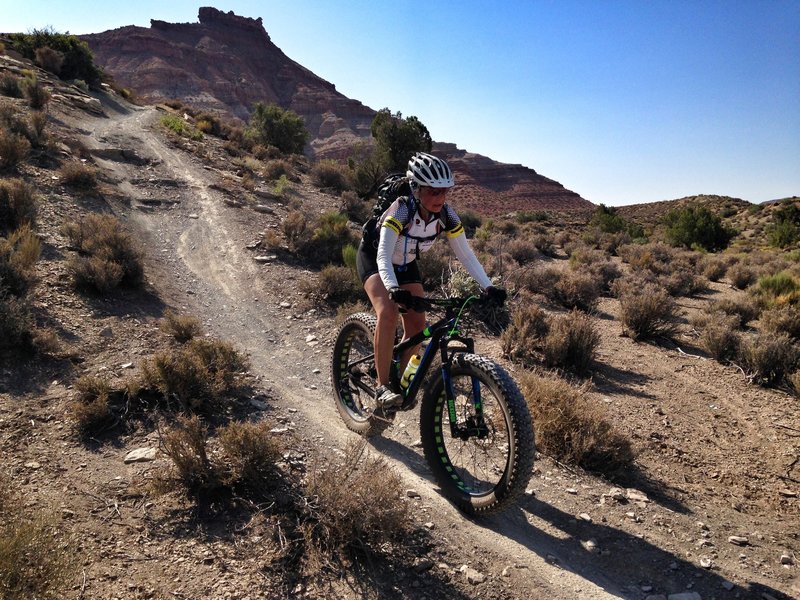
(769, 358)
(714, 267)
(294, 226)
(17, 326)
(784, 319)
(107, 255)
(90, 409)
(719, 336)
(571, 343)
(185, 443)
(337, 284)
(14, 149)
(781, 288)
(356, 209)
(647, 310)
(36, 132)
(328, 237)
(17, 204)
(35, 560)
(182, 328)
(523, 251)
(200, 374)
(522, 339)
(353, 506)
(573, 429)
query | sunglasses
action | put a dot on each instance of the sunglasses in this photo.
(435, 192)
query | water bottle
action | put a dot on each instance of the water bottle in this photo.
(411, 369)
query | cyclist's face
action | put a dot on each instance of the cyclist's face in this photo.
(432, 199)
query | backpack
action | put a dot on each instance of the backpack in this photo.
(392, 187)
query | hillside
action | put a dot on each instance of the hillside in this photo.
(225, 63)
(708, 509)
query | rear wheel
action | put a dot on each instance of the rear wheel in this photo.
(354, 377)
(486, 466)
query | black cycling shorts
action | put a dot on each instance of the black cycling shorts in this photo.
(367, 265)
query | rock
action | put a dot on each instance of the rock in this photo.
(279, 430)
(412, 493)
(705, 562)
(685, 596)
(788, 493)
(264, 258)
(263, 208)
(422, 565)
(636, 496)
(585, 517)
(429, 525)
(728, 585)
(506, 572)
(572, 491)
(140, 455)
(33, 465)
(591, 546)
(616, 494)
(738, 540)
(656, 597)
(474, 577)
(787, 559)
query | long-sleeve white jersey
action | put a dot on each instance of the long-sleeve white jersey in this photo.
(404, 235)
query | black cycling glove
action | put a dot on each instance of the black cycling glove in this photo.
(496, 294)
(400, 296)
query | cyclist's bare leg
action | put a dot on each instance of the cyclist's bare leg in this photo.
(413, 322)
(386, 311)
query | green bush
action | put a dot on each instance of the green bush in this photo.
(696, 226)
(49, 59)
(180, 127)
(785, 230)
(781, 288)
(274, 126)
(78, 61)
(10, 86)
(329, 236)
(398, 139)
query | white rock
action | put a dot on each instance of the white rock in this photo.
(705, 562)
(738, 540)
(585, 517)
(637, 496)
(140, 455)
(474, 577)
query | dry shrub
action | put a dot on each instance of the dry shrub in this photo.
(571, 343)
(742, 275)
(294, 227)
(356, 209)
(434, 266)
(784, 319)
(769, 358)
(78, 175)
(35, 562)
(108, 256)
(10, 86)
(714, 267)
(523, 337)
(353, 505)
(181, 327)
(576, 289)
(35, 93)
(596, 264)
(49, 59)
(719, 336)
(185, 444)
(36, 133)
(18, 255)
(17, 326)
(13, 149)
(251, 451)
(646, 310)
(523, 251)
(337, 284)
(199, 374)
(90, 409)
(573, 429)
(794, 381)
(539, 280)
(745, 308)
(330, 175)
(682, 280)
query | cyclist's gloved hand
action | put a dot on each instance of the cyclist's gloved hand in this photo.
(497, 295)
(400, 296)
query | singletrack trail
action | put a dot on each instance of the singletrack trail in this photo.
(197, 245)
(564, 540)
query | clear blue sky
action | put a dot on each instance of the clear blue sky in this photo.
(621, 101)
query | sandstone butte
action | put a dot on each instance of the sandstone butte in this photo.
(225, 63)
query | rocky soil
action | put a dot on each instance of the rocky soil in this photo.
(711, 511)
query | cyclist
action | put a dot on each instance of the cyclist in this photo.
(390, 272)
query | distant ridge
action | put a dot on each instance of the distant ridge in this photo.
(226, 63)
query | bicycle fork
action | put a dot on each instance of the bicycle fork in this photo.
(473, 424)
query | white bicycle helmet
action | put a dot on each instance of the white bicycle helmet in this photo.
(426, 169)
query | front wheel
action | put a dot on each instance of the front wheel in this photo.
(354, 377)
(486, 465)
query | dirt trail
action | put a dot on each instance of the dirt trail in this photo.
(542, 549)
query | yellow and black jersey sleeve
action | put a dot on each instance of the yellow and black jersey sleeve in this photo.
(393, 224)
(457, 230)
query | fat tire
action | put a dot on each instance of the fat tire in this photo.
(438, 442)
(356, 407)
